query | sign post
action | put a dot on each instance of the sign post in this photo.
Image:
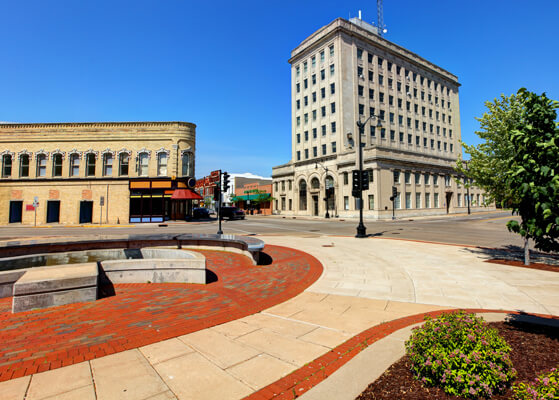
(35, 205)
(101, 203)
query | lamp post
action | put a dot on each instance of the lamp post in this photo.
(326, 192)
(361, 229)
(467, 187)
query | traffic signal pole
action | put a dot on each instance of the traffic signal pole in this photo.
(218, 187)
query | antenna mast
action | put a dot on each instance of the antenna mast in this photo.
(380, 19)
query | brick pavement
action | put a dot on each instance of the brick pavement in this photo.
(141, 314)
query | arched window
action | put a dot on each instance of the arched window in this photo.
(330, 195)
(107, 164)
(41, 165)
(23, 165)
(143, 163)
(186, 164)
(74, 164)
(162, 164)
(302, 195)
(315, 184)
(90, 164)
(123, 161)
(57, 164)
(6, 165)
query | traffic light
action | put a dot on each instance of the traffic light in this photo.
(225, 181)
(365, 180)
(394, 191)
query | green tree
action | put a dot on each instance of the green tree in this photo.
(532, 175)
(518, 164)
(488, 160)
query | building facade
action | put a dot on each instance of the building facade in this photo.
(254, 196)
(115, 172)
(345, 73)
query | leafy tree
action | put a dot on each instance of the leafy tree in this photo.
(488, 160)
(533, 172)
(518, 164)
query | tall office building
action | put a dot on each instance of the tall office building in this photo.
(344, 73)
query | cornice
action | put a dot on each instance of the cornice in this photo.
(40, 125)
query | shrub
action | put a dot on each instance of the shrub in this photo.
(461, 354)
(545, 386)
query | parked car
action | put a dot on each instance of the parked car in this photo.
(199, 213)
(232, 213)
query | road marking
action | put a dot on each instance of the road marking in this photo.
(494, 219)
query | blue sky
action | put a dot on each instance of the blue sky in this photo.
(223, 65)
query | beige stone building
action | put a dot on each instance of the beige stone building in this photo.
(344, 73)
(114, 172)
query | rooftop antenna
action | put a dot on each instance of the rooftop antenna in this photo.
(380, 19)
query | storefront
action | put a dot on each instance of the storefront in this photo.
(159, 200)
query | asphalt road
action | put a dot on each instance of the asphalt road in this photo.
(487, 229)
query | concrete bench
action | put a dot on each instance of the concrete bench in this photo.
(42, 287)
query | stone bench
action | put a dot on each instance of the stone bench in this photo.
(42, 287)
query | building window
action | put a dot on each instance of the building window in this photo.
(289, 183)
(332, 108)
(57, 164)
(333, 147)
(314, 151)
(283, 203)
(302, 195)
(124, 159)
(41, 165)
(427, 200)
(162, 164)
(333, 127)
(323, 127)
(332, 70)
(417, 178)
(381, 80)
(332, 88)
(283, 186)
(298, 156)
(290, 204)
(407, 177)
(322, 74)
(459, 199)
(306, 154)
(436, 200)
(143, 163)
(447, 180)
(298, 138)
(90, 164)
(396, 176)
(24, 165)
(426, 179)
(435, 180)
(331, 48)
(408, 200)
(306, 135)
(346, 203)
(397, 203)
(346, 178)
(418, 200)
(392, 135)
(371, 202)
(6, 166)
(74, 165)
(107, 164)
(360, 54)
(323, 149)
(361, 109)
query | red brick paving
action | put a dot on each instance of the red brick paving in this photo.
(142, 314)
(303, 379)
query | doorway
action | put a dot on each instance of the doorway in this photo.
(16, 211)
(86, 212)
(53, 211)
(448, 200)
(315, 205)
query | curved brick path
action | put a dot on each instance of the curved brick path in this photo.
(142, 314)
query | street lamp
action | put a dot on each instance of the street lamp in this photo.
(326, 192)
(361, 229)
(467, 185)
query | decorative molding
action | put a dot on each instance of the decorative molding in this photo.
(75, 151)
(162, 150)
(25, 152)
(45, 153)
(186, 151)
(144, 150)
(108, 151)
(121, 151)
(58, 151)
(97, 124)
(91, 151)
(7, 153)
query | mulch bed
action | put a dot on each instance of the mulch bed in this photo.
(516, 263)
(535, 349)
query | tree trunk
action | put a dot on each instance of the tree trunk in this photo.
(526, 252)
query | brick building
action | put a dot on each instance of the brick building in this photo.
(106, 172)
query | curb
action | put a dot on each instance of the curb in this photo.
(305, 378)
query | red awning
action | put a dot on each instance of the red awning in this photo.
(185, 194)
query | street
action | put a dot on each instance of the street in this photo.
(487, 229)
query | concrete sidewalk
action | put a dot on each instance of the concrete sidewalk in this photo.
(365, 282)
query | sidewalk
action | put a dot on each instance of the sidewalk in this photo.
(364, 283)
